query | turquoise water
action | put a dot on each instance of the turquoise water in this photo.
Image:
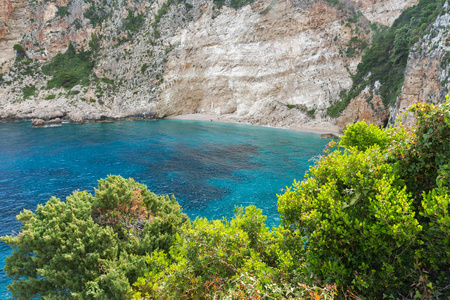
(209, 167)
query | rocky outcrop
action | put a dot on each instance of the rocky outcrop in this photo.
(6, 8)
(367, 106)
(382, 11)
(13, 19)
(428, 69)
(329, 136)
(43, 123)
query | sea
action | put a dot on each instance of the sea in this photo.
(210, 167)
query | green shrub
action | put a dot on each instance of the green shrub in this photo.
(90, 247)
(144, 67)
(20, 52)
(126, 205)
(352, 211)
(362, 136)
(63, 11)
(29, 91)
(133, 23)
(69, 69)
(96, 15)
(225, 260)
(50, 97)
(374, 217)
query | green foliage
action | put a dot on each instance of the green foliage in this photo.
(352, 211)
(144, 220)
(90, 247)
(144, 67)
(95, 43)
(225, 260)
(69, 69)
(20, 52)
(422, 161)
(309, 112)
(63, 11)
(59, 249)
(355, 46)
(236, 4)
(362, 136)
(133, 23)
(50, 97)
(96, 14)
(29, 91)
(374, 217)
(385, 61)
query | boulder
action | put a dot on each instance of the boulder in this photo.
(41, 122)
(329, 136)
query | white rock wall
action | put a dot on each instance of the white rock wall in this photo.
(272, 52)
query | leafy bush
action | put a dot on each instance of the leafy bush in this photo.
(63, 11)
(363, 136)
(374, 217)
(50, 97)
(69, 69)
(90, 247)
(225, 260)
(144, 68)
(20, 52)
(96, 14)
(352, 211)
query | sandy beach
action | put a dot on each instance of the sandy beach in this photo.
(312, 127)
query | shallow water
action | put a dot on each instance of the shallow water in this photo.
(210, 167)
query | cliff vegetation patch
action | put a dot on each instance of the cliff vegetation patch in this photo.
(385, 60)
(69, 69)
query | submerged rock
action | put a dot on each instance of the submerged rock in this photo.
(329, 136)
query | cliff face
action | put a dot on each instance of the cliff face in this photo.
(427, 72)
(424, 77)
(13, 16)
(381, 11)
(244, 62)
(274, 62)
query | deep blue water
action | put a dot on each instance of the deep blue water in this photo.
(209, 167)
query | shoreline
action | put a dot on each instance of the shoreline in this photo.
(317, 128)
(312, 127)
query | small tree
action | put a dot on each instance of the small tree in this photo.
(91, 247)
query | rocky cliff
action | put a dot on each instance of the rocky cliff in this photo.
(13, 17)
(407, 64)
(381, 11)
(427, 71)
(271, 62)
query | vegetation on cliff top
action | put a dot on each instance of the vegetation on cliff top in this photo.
(370, 220)
(385, 60)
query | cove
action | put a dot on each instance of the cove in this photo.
(210, 167)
